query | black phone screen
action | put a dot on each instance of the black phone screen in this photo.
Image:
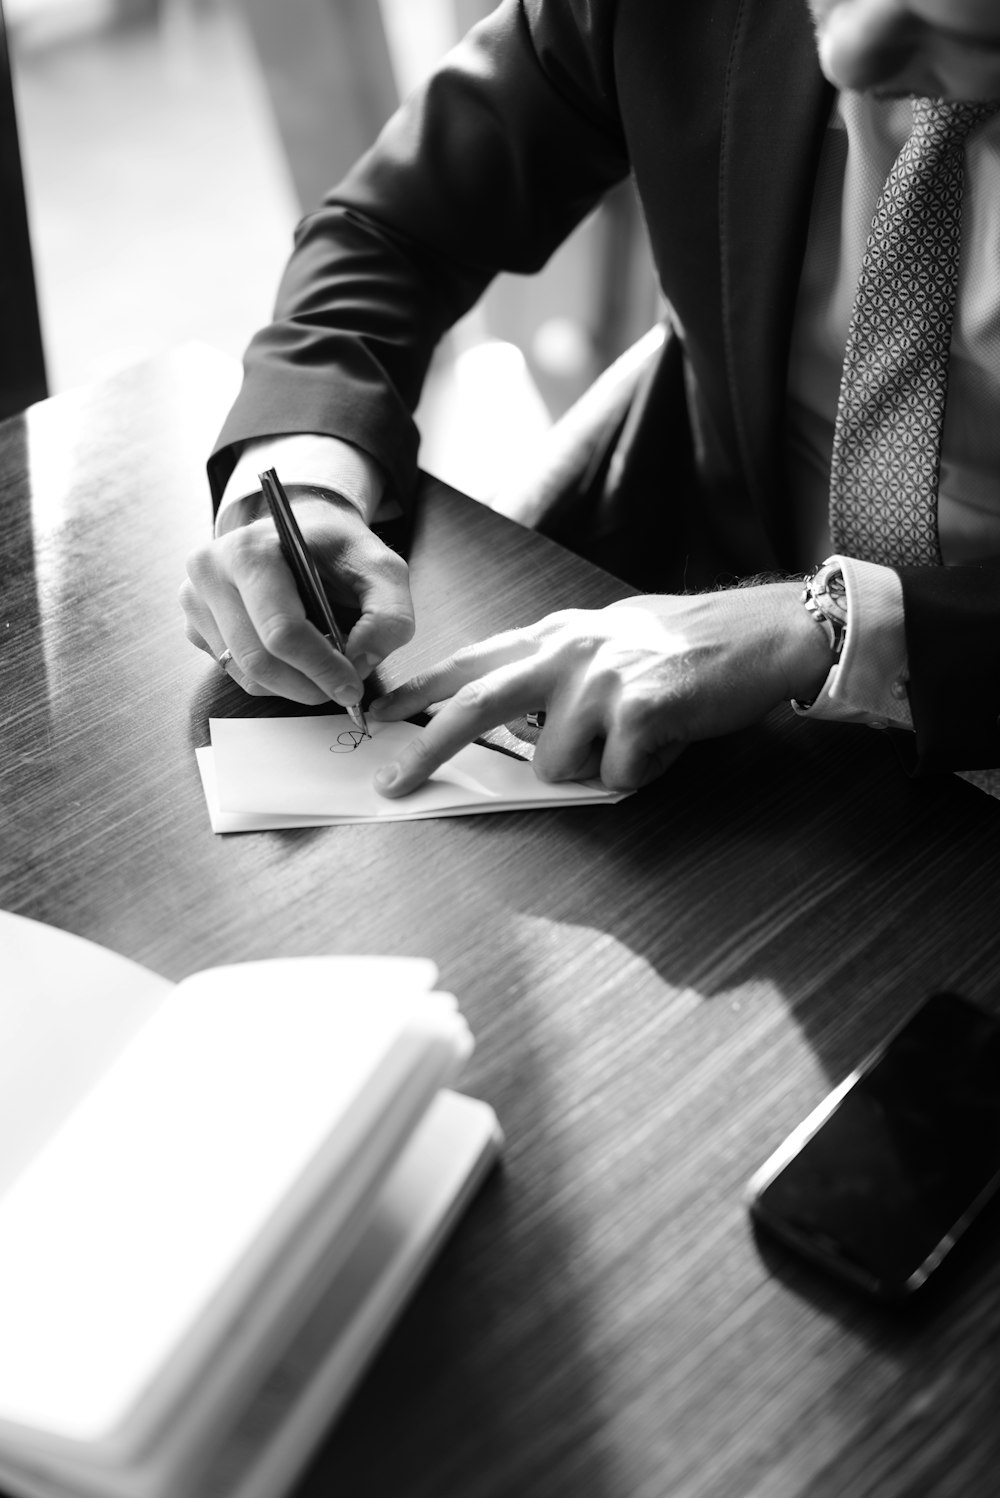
(882, 1178)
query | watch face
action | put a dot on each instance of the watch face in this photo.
(825, 596)
(830, 592)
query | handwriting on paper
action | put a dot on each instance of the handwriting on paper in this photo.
(348, 741)
(281, 766)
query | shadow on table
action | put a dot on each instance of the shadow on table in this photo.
(800, 856)
(488, 1387)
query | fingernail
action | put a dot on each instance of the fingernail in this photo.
(385, 778)
(347, 694)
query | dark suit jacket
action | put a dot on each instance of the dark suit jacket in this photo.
(717, 108)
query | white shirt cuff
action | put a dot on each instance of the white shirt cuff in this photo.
(300, 458)
(868, 685)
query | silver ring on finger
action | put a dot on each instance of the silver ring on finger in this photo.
(535, 720)
(224, 660)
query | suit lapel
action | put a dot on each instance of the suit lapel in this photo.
(777, 106)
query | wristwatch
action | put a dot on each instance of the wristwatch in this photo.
(824, 594)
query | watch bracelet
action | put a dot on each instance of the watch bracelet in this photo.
(824, 595)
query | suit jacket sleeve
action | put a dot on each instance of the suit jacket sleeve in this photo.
(952, 620)
(488, 168)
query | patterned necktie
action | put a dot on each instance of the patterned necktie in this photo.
(887, 440)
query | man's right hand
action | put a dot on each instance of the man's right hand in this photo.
(239, 595)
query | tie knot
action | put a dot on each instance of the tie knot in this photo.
(946, 122)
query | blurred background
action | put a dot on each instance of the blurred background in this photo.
(169, 147)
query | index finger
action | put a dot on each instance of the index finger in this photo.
(277, 614)
(466, 667)
(241, 587)
(477, 706)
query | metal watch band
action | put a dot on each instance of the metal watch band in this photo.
(824, 594)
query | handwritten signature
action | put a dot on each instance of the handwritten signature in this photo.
(348, 741)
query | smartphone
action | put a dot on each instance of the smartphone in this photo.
(883, 1178)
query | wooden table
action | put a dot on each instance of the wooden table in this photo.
(659, 991)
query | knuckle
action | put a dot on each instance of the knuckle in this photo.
(392, 565)
(414, 689)
(580, 648)
(243, 545)
(575, 630)
(398, 626)
(258, 665)
(605, 675)
(197, 616)
(637, 715)
(419, 753)
(281, 636)
(544, 770)
(560, 619)
(466, 655)
(200, 568)
(473, 695)
(367, 555)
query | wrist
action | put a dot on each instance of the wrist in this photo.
(244, 509)
(811, 648)
(304, 460)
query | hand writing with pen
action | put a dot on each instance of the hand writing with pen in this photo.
(623, 688)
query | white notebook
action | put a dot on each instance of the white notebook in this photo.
(192, 1202)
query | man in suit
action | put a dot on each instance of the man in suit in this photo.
(761, 136)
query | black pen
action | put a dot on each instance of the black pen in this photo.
(303, 569)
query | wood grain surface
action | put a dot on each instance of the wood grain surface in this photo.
(659, 991)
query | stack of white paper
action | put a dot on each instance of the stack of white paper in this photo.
(317, 771)
(217, 1217)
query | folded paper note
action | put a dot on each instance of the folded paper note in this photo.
(315, 771)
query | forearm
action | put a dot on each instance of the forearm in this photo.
(487, 169)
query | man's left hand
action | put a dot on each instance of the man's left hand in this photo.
(623, 688)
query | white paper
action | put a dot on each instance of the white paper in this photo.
(121, 1206)
(260, 1454)
(310, 771)
(169, 1197)
(67, 1008)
